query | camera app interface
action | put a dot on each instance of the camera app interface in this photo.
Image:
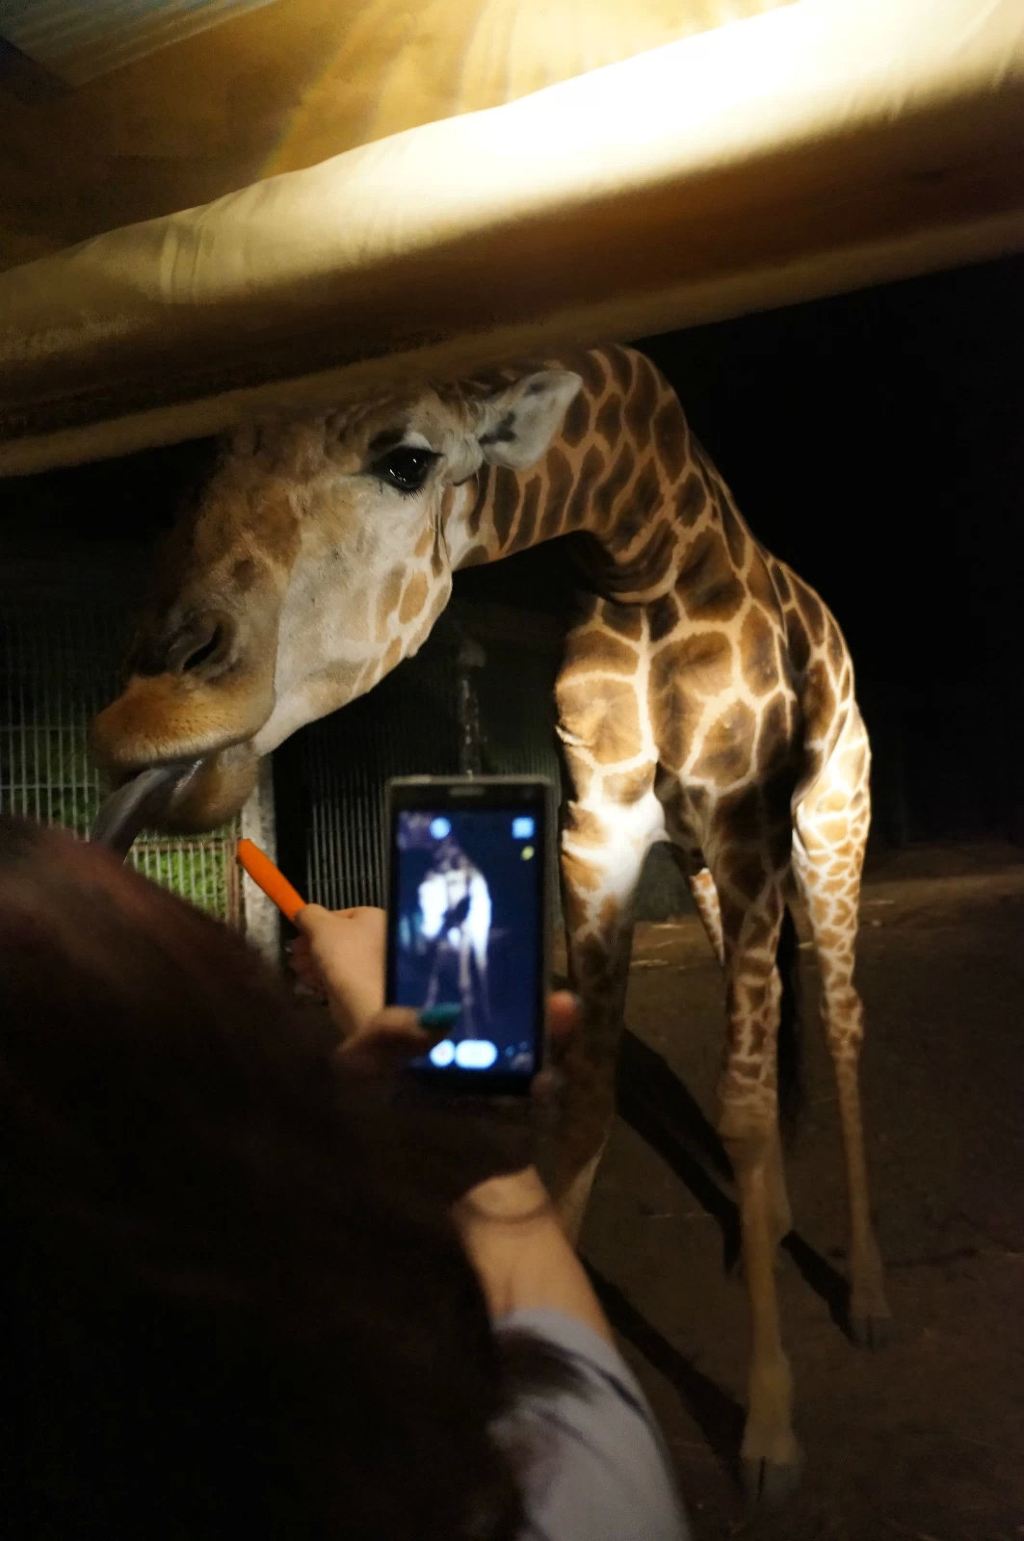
(467, 919)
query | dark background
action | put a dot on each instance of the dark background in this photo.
(872, 440)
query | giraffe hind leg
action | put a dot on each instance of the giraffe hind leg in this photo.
(748, 1124)
(708, 906)
(830, 834)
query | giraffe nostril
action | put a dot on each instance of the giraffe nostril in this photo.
(200, 647)
(204, 652)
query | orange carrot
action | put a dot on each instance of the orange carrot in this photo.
(268, 877)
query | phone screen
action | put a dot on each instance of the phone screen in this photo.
(467, 932)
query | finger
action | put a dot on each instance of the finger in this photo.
(382, 1051)
(310, 976)
(395, 1019)
(546, 1088)
(402, 1024)
(565, 1017)
(391, 1039)
(310, 919)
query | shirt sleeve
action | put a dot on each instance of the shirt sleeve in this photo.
(592, 1461)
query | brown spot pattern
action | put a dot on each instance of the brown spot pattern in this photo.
(758, 659)
(528, 512)
(670, 434)
(674, 711)
(579, 875)
(621, 363)
(602, 714)
(577, 513)
(390, 594)
(773, 745)
(626, 620)
(638, 409)
(813, 614)
(643, 500)
(836, 651)
(425, 542)
(745, 871)
(590, 368)
(607, 493)
(505, 496)
(819, 700)
(627, 787)
(691, 500)
(662, 617)
(782, 584)
(591, 650)
(711, 589)
(560, 480)
(474, 518)
(728, 745)
(475, 556)
(703, 661)
(577, 419)
(584, 827)
(799, 646)
(741, 814)
(413, 599)
(648, 567)
(760, 584)
(735, 535)
(609, 419)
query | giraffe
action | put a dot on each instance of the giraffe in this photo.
(705, 698)
(455, 905)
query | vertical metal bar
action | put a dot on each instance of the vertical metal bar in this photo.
(258, 916)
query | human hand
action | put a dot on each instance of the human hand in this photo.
(339, 955)
(471, 1139)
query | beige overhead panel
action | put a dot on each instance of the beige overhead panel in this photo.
(800, 151)
(121, 110)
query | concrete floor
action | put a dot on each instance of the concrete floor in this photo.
(923, 1440)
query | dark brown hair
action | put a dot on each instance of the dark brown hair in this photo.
(227, 1304)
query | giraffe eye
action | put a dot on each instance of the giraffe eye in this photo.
(405, 467)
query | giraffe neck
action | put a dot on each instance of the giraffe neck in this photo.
(626, 472)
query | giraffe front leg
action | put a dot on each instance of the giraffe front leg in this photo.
(433, 981)
(748, 1125)
(706, 901)
(603, 851)
(705, 898)
(466, 994)
(482, 986)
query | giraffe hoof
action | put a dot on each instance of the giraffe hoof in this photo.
(769, 1484)
(871, 1329)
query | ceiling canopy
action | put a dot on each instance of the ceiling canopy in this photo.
(411, 203)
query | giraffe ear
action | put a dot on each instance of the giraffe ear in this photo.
(518, 423)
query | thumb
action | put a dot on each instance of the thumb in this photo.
(310, 918)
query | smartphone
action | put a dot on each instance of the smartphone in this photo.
(469, 922)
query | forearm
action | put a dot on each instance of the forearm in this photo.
(522, 1256)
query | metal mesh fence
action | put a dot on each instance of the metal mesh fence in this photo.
(62, 630)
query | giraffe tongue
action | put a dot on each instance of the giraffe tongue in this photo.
(139, 802)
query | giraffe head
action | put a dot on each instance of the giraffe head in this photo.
(313, 560)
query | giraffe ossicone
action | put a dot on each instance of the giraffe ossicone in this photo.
(706, 698)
